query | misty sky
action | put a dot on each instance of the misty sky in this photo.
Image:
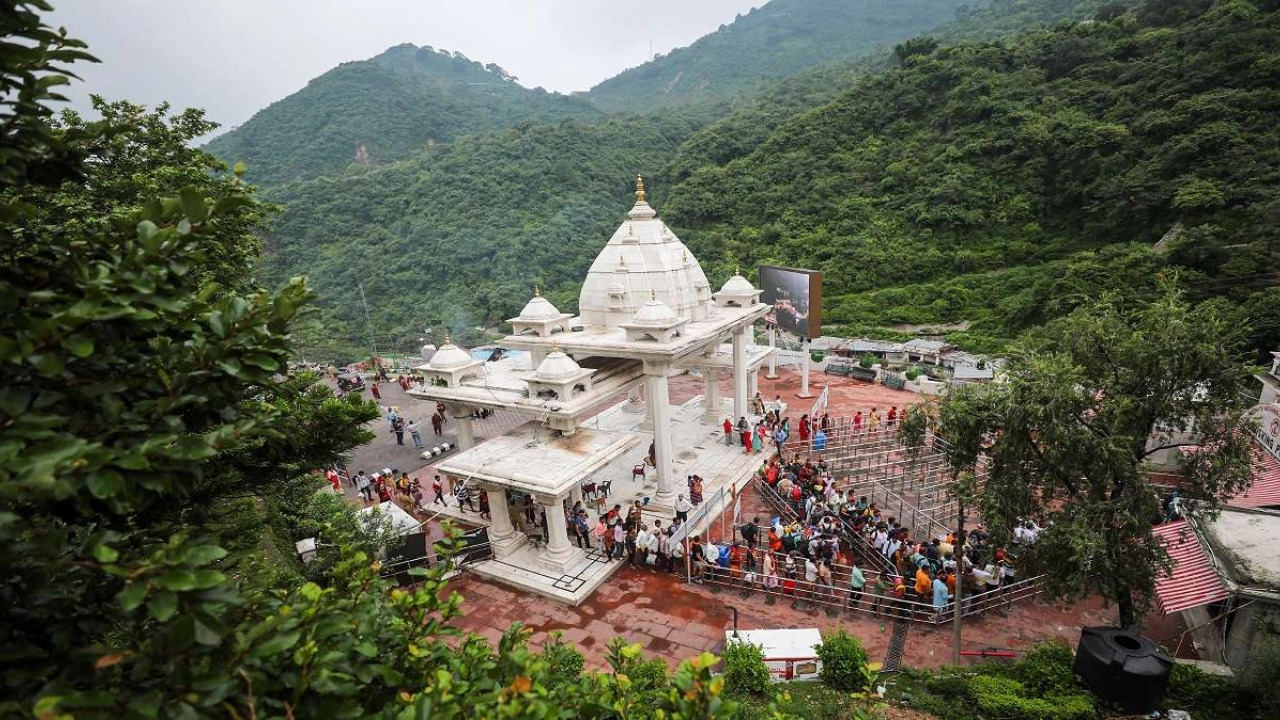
(234, 57)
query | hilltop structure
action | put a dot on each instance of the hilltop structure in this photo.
(646, 312)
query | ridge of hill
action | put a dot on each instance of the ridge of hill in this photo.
(749, 124)
(1000, 184)
(776, 40)
(384, 109)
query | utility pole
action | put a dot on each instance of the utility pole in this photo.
(958, 555)
(373, 342)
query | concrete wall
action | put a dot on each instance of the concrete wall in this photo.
(1253, 628)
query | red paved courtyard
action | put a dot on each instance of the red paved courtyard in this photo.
(676, 621)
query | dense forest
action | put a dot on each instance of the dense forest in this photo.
(770, 42)
(1003, 183)
(459, 234)
(387, 108)
(433, 238)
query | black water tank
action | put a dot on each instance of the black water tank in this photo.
(1123, 668)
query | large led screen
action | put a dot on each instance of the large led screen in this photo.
(796, 297)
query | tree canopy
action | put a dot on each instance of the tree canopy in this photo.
(1088, 401)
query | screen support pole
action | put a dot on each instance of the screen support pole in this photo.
(773, 357)
(804, 370)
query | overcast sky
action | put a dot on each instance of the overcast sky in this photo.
(234, 57)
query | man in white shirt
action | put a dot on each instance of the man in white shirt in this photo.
(683, 506)
(643, 542)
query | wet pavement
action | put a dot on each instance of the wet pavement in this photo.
(674, 620)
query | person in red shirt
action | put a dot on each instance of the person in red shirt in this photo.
(728, 431)
(332, 476)
(857, 421)
(804, 428)
(746, 441)
(893, 415)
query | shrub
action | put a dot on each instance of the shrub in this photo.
(1047, 669)
(628, 659)
(867, 360)
(1006, 698)
(844, 662)
(817, 355)
(744, 669)
(564, 662)
(912, 373)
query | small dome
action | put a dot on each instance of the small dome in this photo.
(738, 285)
(557, 366)
(449, 357)
(655, 312)
(539, 309)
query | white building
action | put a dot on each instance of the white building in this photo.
(647, 312)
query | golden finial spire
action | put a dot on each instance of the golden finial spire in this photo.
(737, 270)
(555, 345)
(684, 256)
(639, 189)
(447, 339)
(622, 260)
(653, 295)
(536, 291)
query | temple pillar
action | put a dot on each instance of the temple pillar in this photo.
(503, 538)
(740, 407)
(461, 414)
(712, 405)
(559, 550)
(659, 401)
(635, 400)
(646, 425)
(753, 382)
(773, 356)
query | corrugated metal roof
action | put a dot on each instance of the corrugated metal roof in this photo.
(1194, 580)
(1264, 491)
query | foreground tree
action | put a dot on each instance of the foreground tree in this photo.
(1087, 403)
(146, 387)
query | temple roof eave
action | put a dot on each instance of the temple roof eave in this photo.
(612, 342)
(513, 460)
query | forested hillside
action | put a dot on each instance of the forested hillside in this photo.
(1001, 184)
(461, 233)
(774, 41)
(392, 106)
(751, 122)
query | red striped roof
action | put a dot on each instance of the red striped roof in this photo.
(1194, 580)
(1264, 491)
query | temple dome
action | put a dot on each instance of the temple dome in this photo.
(642, 259)
(557, 366)
(539, 309)
(655, 312)
(738, 285)
(448, 357)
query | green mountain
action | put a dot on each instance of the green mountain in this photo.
(459, 234)
(999, 184)
(777, 40)
(377, 111)
(754, 119)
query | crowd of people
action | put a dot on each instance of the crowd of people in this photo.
(832, 547)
